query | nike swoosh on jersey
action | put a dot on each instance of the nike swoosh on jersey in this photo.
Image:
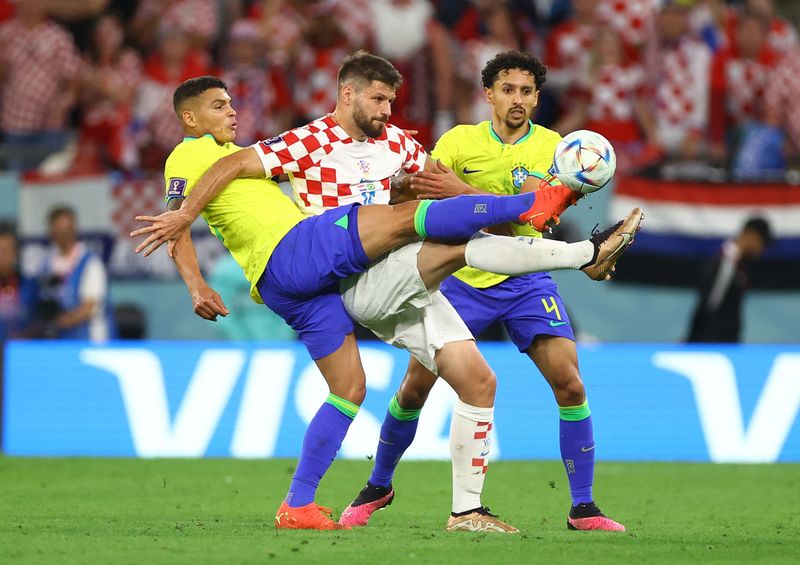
(484, 453)
(554, 324)
(585, 449)
(467, 171)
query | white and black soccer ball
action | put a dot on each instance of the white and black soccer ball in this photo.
(584, 161)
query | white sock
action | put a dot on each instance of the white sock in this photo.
(521, 255)
(470, 443)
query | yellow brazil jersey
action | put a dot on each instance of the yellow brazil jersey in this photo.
(478, 157)
(250, 216)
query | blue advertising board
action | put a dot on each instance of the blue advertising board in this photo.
(254, 400)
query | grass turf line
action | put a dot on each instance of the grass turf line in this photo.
(220, 510)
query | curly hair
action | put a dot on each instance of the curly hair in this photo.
(508, 60)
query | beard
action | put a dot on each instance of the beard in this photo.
(514, 122)
(367, 124)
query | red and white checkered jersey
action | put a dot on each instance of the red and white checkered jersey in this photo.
(315, 79)
(781, 95)
(38, 62)
(681, 84)
(328, 168)
(633, 19)
(569, 51)
(746, 82)
(199, 18)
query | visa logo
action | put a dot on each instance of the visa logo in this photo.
(716, 393)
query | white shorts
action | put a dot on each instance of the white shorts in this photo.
(390, 299)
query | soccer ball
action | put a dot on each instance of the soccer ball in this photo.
(584, 161)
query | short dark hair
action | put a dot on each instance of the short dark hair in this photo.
(368, 67)
(194, 87)
(508, 60)
(761, 227)
(62, 210)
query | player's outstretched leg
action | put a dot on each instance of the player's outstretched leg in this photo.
(397, 432)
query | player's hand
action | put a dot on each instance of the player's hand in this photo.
(441, 182)
(163, 228)
(208, 304)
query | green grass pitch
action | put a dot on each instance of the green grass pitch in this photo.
(221, 511)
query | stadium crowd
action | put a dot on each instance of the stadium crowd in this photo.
(704, 85)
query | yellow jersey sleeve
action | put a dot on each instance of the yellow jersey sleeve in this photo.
(250, 216)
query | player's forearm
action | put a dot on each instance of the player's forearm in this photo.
(185, 258)
(469, 189)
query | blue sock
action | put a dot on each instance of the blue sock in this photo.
(323, 439)
(459, 217)
(577, 450)
(397, 433)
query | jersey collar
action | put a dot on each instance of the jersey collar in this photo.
(496, 137)
(190, 138)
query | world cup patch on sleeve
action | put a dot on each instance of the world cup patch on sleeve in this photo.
(176, 188)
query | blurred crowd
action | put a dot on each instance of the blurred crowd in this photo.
(704, 85)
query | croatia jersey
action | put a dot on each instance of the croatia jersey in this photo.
(480, 158)
(328, 168)
(250, 216)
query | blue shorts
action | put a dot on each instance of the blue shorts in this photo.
(527, 305)
(301, 280)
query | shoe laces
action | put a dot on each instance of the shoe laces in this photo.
(484, 511)
(600, 236)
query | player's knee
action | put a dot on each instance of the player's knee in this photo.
(480, 389)
(486, 387)
(412, 396)
(570, 392)
(352, 392)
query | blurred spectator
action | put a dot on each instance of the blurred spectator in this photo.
(710, 20)
(198, 19)
(38, 68)
(633, 19)
(718, 317)
(282, 26)
(258, 90)
(174, 62)
(72, 297)
(406, 33)
(16, 291)
(679, 67)
(501, 35)
(781, 35)
(570, 44)
(111, 76)
(608, 99)
(739, 78)
(781, 93)
(324, 46)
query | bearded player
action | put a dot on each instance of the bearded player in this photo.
(499, 155)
